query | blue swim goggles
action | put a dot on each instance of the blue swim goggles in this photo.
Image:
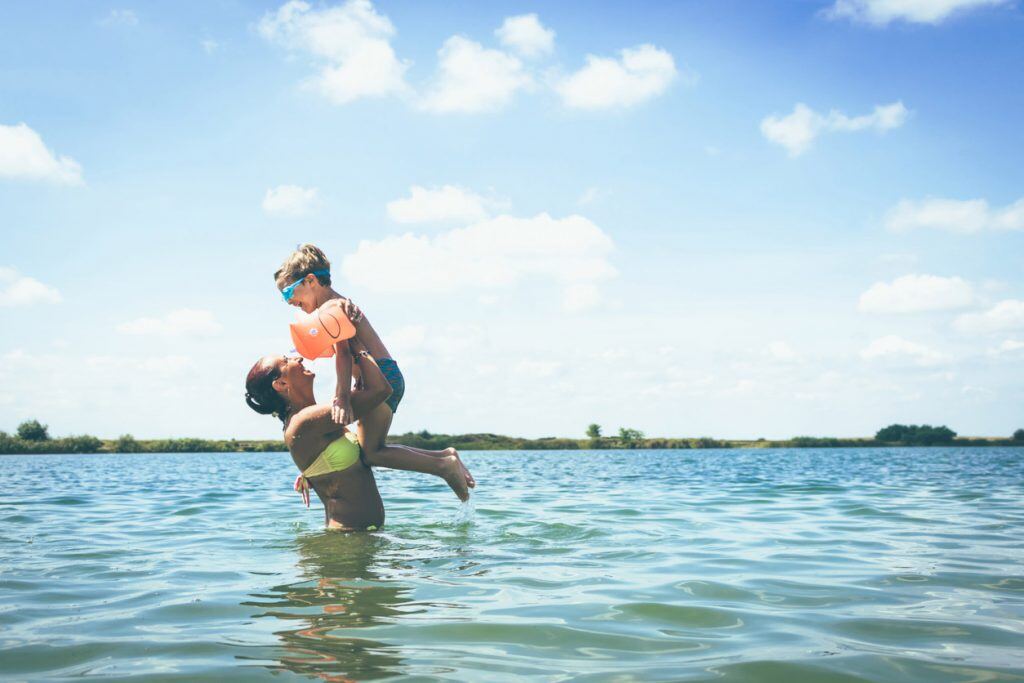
(289, 291)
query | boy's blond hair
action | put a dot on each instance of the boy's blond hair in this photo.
(304, 260)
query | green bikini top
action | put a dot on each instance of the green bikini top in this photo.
(339, 455)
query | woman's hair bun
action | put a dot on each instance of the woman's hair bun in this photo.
(260, 394)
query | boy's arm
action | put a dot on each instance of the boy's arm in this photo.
(341, 412)
(317, 419)
(376, 388)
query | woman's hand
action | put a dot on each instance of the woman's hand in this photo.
(302, 486)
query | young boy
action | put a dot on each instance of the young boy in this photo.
(304, 280)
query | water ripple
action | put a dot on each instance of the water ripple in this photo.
(789, 566)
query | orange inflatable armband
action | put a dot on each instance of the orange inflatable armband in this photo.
(316, 333)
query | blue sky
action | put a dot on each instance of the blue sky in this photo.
(735, 219)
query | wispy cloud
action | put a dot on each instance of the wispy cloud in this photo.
(1008, 346)
(182, 322)
(120, 17)
(798, 130)
(589, 196)
(782, 351)
(438, 205)
(917, 293)
(1004, 315)
(290, 200)
(897, 350)
(964, 216)
(884, 12)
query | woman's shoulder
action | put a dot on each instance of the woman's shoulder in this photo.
(315, 417)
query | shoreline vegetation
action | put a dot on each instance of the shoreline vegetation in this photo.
(34, 437)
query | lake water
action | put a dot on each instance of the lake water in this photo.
(759, 565)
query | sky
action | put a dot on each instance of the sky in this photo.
(721, 218)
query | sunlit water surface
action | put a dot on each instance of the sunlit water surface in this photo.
(773, 565)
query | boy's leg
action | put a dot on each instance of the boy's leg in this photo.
(372, 431)
(381, 425)
(441, 454)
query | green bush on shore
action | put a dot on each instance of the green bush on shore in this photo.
(33, 430)
(68, 444)
(916, 435)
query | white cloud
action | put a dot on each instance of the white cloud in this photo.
(882, 12)
(526, 35)
(351, 46)
(954, 215)
(289, 200)
(781, 351)
(581, 297)
(612, 355)
(498, 252)
(1005, 315)
(21, 290)
(120, 17)
(640, 73)
(182, 322)
(351, 40)
(1008, 346)
(917, 293)
(209, 46)
(884, 117)
(797, 130)
(438, 204)
(537, 368)
(472, 78)
(24, 156)
(975, 391)
(898, 350)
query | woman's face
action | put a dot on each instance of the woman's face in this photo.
(291, 372)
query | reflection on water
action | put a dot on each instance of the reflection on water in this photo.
(343, 592)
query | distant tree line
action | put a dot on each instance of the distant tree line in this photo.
(34, 437)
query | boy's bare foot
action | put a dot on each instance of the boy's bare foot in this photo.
(451, 472)
(470, 481)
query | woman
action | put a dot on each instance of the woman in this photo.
(328, 455)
